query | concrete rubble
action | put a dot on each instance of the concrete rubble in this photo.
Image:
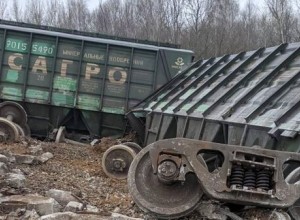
(73, 207)
(62, 197)
(41, 204)
(3, 159)
(3, 168)
(44, 157)
(24, 159)
(15, 180)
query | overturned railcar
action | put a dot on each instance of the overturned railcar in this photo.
(78, 80)
(248, 99)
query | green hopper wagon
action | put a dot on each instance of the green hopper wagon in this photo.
(226, 128)
(77, 80)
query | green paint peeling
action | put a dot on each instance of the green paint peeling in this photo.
(12, 93)
(88, 102)
(12, 76)
(65, 83)
(188, 93)
(202, 108)
(37, 94)
(113, 110)
(162, 104)
(63, 99)
(186, 107)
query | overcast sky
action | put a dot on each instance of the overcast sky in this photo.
(92, 3)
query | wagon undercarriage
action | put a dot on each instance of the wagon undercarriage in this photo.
(169, 177)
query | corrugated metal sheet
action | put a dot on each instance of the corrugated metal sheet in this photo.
(243, 96)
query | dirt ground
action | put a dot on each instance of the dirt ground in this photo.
(76, 169)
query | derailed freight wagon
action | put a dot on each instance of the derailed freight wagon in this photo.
(84, 83)
(248, 99)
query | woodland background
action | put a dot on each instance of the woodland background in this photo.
(208, 27)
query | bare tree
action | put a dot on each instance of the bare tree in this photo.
(175, 16)
(249, 21)
(3, 7)
(52, 17)
(199, 26)
(281, 12)
(16, 11)
(34, 12)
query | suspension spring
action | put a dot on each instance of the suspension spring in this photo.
(237, 176)
(250, 179)
(263, 179)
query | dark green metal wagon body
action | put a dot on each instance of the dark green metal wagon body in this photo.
(82, 82)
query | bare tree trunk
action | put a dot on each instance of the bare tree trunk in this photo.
(17, 12)
(3, 7)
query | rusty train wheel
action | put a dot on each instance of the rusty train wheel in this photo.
(134, 146)
(13, 112)
(165, 201)
(294, 178)
(8, 131)
(116, 161)
(26, 130)
(20, 130)
(60, 135)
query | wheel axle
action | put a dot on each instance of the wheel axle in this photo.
(13, 112)
(116, 161)
(167, 171)
(119, 164)
(13, 122)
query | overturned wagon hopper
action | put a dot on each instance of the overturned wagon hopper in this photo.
(250, 98)
(82, 82)
(222, 126)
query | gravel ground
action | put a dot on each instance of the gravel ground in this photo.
(77, 169)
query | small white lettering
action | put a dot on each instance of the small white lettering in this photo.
(93, 56)
(119, 59)
(71, 53)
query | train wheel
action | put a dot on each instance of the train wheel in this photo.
(294, 178)
(26, 130)
(60, 135)
(20, 130)
(134, 146)
(164, 200)
(8, 131)
(116, 161)
(13, 112)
